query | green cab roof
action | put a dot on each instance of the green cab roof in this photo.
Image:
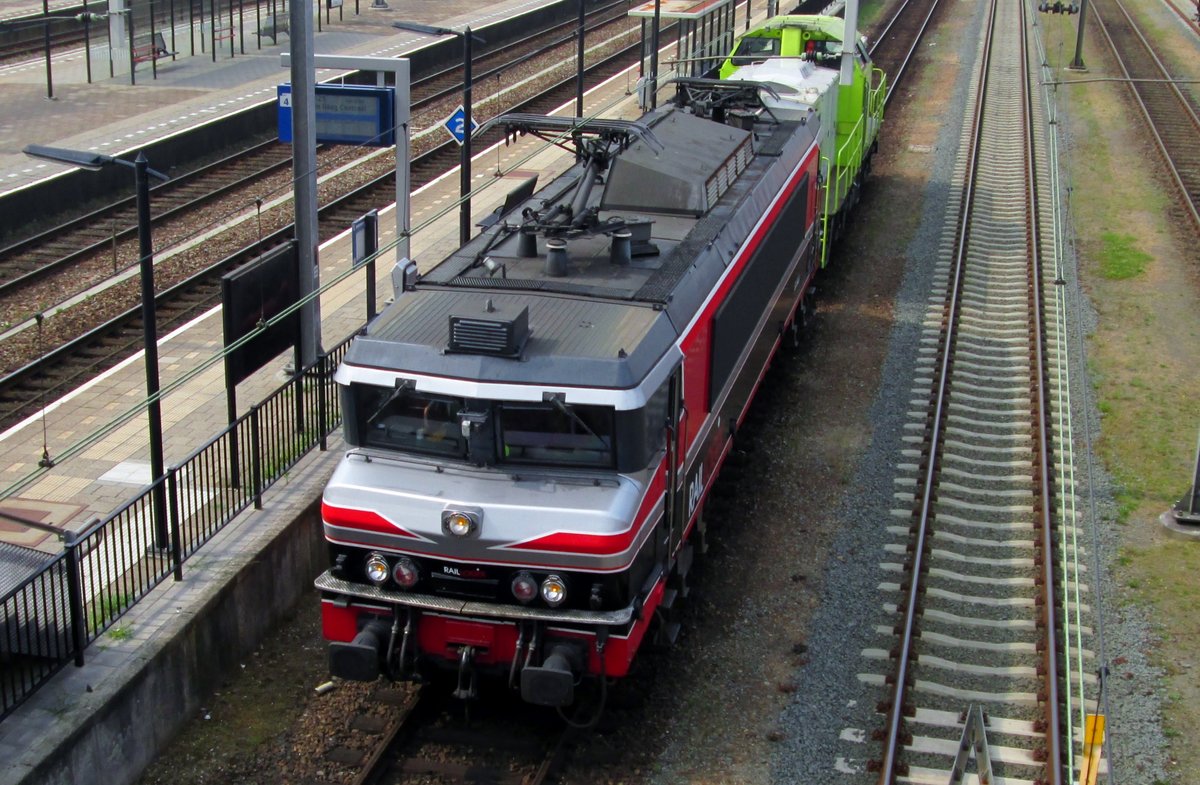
(832, 27)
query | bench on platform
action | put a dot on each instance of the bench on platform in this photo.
(271, 27)
(150, 48)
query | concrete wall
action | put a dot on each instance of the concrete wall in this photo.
(105, 722)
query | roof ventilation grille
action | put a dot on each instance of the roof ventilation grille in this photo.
(499, 331)
(724, 176)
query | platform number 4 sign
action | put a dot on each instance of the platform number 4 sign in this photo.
(454, 124)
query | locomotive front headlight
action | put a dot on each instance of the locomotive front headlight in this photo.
(377, 569)
(524, 587)
(554, 590)
(458, 523)
(406, 573)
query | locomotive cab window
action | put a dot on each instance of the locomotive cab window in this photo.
(752, 50)
(556, 433)
(409, 421)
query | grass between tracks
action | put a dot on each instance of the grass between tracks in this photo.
(1143, 277)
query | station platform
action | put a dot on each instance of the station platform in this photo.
(111, 116)
(68, 727)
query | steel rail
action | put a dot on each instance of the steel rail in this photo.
(161, 191)
(20, 52)
(391, 758)
(481, 76)
(906, 657)
(1047, 592)
(1182, 143)
(417, 711)
(895, 723)
(1069, 539)
(1190, 21)
(85, 343)
(896, 74)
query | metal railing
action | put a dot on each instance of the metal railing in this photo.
(79, 594)
(845, 165)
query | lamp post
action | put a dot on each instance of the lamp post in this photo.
(464, 208)
(142, 174)
(46, 37)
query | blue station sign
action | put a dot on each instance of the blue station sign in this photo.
(456, 122)
(346, 114)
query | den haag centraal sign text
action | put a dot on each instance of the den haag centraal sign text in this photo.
(346, 114)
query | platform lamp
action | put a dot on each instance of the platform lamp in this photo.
(142, 174)
(464, 209)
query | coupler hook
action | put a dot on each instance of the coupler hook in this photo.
(405, 643)
(466, 674)
(406, 638)
(512, 670)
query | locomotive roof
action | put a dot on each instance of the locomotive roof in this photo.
(601, 324)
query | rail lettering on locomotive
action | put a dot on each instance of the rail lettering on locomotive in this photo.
(695, 491)
(533, 424)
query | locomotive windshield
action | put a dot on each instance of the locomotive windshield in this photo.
(755, 49)
(556, 433)
(413, 422)
(552, 433)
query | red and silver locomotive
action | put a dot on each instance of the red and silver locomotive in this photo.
(533, 425)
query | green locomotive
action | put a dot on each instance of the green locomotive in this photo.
(802, 63)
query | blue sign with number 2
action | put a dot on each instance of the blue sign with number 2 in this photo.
(455, 122)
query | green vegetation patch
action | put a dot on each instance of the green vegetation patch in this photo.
(1120, 258)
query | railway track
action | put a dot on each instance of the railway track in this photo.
(112, 230)
(893, 47)
(1171, 115)
(27, 36)
(975, 611)
(60, 368)
(402, 735)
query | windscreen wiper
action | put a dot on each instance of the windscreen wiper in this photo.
(558, 404)
(402, 386)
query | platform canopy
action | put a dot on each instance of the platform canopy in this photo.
(679, 9)
(706, 32)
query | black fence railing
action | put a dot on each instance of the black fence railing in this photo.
(50, 618)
